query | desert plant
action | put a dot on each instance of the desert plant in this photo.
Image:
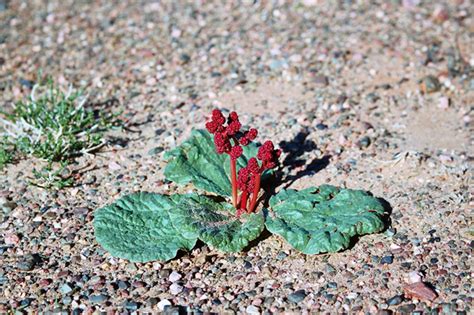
(53, 126)
(228, 164)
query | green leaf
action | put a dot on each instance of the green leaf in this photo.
(196, 161)
(324, 219)
(137, 227)
(215, 223)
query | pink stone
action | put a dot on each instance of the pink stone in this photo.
(420, 291)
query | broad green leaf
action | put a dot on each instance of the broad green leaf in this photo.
(323, 219)
(137, 227)
(196, 161)
(215, 223)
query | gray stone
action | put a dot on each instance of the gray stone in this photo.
(297, 296)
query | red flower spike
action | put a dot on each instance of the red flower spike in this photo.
(233, 128)
(233, 116)
(251, 134)
(253, 166)
(244, 141)
(236, 152)
(268, 155)
(243, 179)
(212, 126)
(218, 117)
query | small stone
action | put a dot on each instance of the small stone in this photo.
(100, 298)
(372, 97)
(67, 300)
(174, 276)
(386, 260)
(11, 239)
(28, 262)
(321, 126)
(130, 305)
(175, 288)
(364, 142)
(406, 309)
(414, 277)
(297, 296)
(443, 102)
(252, 309)
(164, 273)
(155, 151)
(332, 285)
(440, 14)
(152, 302)
(352, 295)
(162, 304)
(397, 299)
(329, 268)
(430, 84)
(321, 80)
(65, 289)
(7, 206)
(81, 211)
(123, 284)
(3, 5)
(131, 268)
(114, 166)
(420, 291)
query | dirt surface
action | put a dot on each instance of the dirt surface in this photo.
(367, 96)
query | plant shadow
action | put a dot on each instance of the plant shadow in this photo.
(295, 149)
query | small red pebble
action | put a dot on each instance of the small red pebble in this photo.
(420, 291)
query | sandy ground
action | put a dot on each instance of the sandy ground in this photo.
(342, 84)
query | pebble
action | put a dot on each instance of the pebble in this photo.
(100, 298)
(65, 289)
(28, 262)
(420, 291)
(397, 299)
(364, 142)
(162, 304)
(430, 84)
(175, 288)
(321, 80)
(11, 239)
(387, 260)
(406, 309)
(414, 277)
(155, 151)
(130, 305)
(443, 102)
(297, 296)
(252, 310)
(321, 126)
(174, 276)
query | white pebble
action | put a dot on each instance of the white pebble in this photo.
(175, 288)
(162, 304)
(174, 276)
(413, 277)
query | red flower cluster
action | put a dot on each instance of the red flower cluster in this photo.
(246, 179)
(229, 139)
(224, 135)
(268, 155)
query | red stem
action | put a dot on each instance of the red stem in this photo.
(233, 178)
(256, 190)
(243, 201)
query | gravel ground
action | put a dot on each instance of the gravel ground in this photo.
(372, 96)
